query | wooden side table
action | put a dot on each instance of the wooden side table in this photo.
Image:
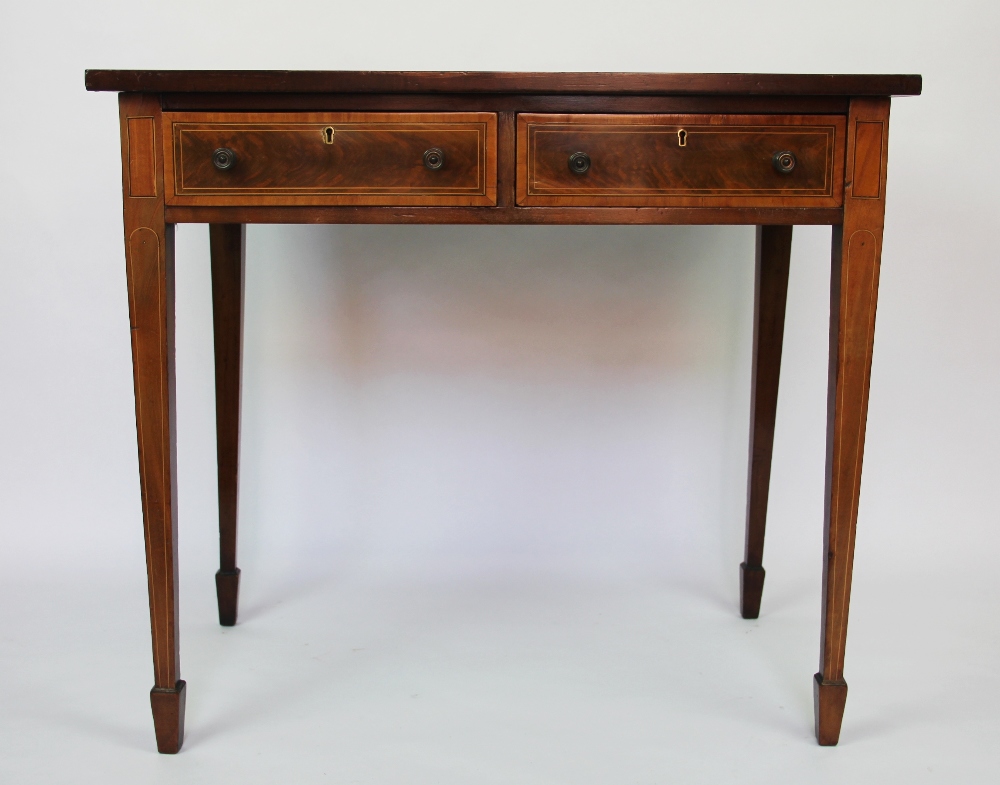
(229, 148)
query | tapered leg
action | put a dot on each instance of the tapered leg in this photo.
(149, 263)
(228, 248)
(857, 246)
(774, 248)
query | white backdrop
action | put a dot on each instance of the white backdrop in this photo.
(506, 406)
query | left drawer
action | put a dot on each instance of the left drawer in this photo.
(330, 158)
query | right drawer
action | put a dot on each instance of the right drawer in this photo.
(680, 160)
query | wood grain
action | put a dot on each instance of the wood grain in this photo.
(506, 163)
(374, 158)
(141, 156)
(867, 179)
(773, 253)
(857, 246)
(500, 82)
(638, 160)
(149, 264)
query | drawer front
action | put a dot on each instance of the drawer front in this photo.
(356, 158)
(680, 160)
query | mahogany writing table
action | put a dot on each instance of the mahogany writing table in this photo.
(229, 148)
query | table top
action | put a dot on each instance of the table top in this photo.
(502, 82)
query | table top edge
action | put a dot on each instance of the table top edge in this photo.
(505, 82)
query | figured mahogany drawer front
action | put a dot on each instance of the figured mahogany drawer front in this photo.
(680, 160)
(358, 158)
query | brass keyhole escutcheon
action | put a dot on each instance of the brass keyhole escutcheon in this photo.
(328, 133)
(682, 138)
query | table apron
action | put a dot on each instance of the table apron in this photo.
(718, 216)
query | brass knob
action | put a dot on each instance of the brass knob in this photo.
(579, 163)
(434, 158)
(783, 161)
(224, 158)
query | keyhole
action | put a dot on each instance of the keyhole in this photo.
(328, 134)
(682, 138)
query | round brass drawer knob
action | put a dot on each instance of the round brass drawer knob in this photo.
(579, 163)
(784, 162)
(224, 158)
(434, 158)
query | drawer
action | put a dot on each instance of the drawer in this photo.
(356, 158)
(680, 160)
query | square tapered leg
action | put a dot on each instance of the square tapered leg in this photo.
(774, 249)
